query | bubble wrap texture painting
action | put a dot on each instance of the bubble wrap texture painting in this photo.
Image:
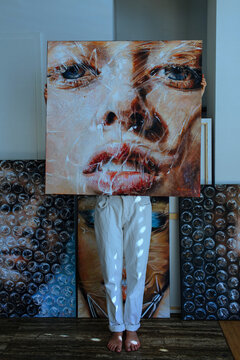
(124, 118)
(210, 254)
(37, 245)
(91, 291)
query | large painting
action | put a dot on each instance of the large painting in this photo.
(37, 245)
(124, 118)
(91, 290)
(210, 254)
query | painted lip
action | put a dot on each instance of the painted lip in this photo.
(147, 170)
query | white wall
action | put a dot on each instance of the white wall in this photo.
(25, 27)
(227, 102)
(162, 20)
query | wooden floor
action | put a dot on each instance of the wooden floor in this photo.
(50, 339)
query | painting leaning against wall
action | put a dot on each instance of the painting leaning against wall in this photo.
(123, 117)
(210, 254)
(37, 245)
(91, 290)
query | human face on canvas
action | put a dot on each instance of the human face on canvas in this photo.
(123, 117)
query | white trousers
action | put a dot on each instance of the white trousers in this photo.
(123, 229)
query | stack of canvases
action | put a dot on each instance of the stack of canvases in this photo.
(123, 118)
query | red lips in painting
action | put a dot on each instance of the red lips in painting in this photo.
(136, 171)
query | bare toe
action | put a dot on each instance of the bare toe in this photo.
(115, 342)
(132, 342)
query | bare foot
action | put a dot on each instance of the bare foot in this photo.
(115, 342)
(132, 342)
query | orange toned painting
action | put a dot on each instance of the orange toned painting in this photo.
(123, 117)
(91, 290)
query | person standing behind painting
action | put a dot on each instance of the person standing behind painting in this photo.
(123, 230)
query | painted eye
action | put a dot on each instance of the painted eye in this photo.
(159, 221)
(177, 73)
(72, 76)
(74, 72)
(180, 77)
(88, 216)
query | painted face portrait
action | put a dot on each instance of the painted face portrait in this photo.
(91, 290)
(124, 118)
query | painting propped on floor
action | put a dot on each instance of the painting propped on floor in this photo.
(37, 245)
(210, 254)
(91, 291)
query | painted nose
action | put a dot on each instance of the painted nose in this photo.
(152, 127)
(110, 118)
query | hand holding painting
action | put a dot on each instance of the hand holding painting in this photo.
(45, 93)
(203, 84)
